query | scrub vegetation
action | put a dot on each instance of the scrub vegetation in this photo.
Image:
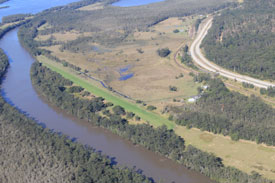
(230, 113)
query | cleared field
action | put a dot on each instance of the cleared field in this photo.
(152, 75)
(244, 155)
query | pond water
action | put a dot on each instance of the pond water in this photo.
(126, 77)
(124, 69)
(128, 3)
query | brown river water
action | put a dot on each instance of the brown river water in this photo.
(17, 90)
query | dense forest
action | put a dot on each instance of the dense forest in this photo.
(243, 39)
(31, 153)
(230, 113)
(161, 140)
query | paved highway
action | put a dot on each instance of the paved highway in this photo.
(203, 62)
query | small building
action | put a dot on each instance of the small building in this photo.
(191, 100)
(205, 87)
(194, 98)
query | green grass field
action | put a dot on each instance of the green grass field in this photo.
(153, 118)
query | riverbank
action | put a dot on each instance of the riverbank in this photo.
(56, 155)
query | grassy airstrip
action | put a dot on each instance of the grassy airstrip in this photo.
(244, 155)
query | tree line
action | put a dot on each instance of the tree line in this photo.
(14, 18)
(230, 113)
(270, 91)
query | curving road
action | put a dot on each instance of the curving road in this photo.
(203, 62)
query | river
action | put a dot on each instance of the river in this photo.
(17, 89)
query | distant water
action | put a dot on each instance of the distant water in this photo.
(30, 6)
(128, 3)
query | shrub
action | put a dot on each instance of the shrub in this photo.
(139, 50)
(164, 52)
(130, 115)
(151, 108)
(137, 118)
(118, 110)
(139, 102)
(173, 88)
(176, 31)
(75, 89)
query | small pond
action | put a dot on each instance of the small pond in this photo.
(123, 75)
(126, 77)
